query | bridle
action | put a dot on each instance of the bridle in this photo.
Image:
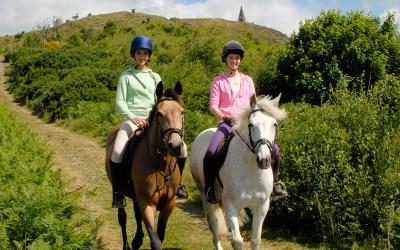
(164, 145)
(168, 131)
(254, 146)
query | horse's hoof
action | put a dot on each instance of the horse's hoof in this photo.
(137, 243)
(126, 247)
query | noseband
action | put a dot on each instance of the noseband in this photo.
(168, 131)
(254, 146)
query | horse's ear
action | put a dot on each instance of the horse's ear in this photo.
(159, 90)
(275, 101)
(253, 100)
(178, 88)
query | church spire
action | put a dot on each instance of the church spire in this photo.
(241, 18)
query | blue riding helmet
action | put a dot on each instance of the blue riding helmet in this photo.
(141, 42)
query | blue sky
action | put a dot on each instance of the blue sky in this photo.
(283, 15)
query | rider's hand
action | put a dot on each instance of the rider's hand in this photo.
(139, 122)
(228, 121)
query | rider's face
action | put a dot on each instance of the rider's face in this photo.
(141, 57)
(233, 61)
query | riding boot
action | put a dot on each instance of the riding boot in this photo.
(279, 190)
(181, 193)
(117, 175)
(209, 177)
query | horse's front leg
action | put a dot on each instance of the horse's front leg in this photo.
(138, 240)
(232, 213)
(257, 223)
(148, 219)
(122, 224)
(163, 219)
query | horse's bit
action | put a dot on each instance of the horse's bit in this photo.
(253, 147)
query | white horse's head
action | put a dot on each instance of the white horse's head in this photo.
(259, 123)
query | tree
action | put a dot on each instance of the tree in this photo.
(335, 50)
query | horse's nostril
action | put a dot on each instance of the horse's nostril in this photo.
(174, 149)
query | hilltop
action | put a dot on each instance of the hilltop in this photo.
(128, 21)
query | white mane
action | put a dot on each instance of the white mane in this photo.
(267, 104)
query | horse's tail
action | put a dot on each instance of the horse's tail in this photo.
(243, 217)
(220, 219)
(222, 222)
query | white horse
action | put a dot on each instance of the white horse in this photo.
(246, 174)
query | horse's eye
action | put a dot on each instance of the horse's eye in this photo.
(183, 112)
(159, 114)
(275, 124)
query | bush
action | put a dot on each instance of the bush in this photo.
(52, 82)
(35, 212)
(331, 48)
(33, 40)
(341, 164)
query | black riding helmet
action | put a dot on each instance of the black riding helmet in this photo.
(232, 47)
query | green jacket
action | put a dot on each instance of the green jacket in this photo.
(136, 92)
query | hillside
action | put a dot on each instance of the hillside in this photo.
(129, 24)
(128, 20)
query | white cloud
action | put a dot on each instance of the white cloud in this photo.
(25, 15)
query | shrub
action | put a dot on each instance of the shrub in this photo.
(334, 47)
(110, 28)
(52, 44)
(32, 40)
(341, 166)
(35, 212)
(88, 34)
(75, 40)
(168, 28)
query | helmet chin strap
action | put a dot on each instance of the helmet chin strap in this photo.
(232, 71)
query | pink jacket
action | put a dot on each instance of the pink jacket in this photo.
(221, 94)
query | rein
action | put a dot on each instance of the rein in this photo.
(254, 146)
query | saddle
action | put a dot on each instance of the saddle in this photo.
(128, 158)
(220, 155)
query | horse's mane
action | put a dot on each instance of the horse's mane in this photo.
(168, 94)
(267, 105)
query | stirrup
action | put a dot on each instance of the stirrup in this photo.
(182, 192)
(279, 191)
(210, 196)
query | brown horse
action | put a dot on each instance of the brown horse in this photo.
(154, 174)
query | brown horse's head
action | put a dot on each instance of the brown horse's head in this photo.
(167, 115)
